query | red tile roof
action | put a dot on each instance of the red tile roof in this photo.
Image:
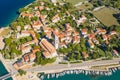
(84, 31)
(48, 47)
(85, 55)
(26, 15)
(40, 7)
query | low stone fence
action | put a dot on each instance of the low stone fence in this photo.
(98, 8)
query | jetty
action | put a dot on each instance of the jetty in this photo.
(10, 74)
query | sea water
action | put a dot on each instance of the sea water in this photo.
(3, 70)
(9, 9)
(114, 76)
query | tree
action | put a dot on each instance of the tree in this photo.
(15, 52)
(26, 20)
(94, 55)
(63, 50)
(6, 54)
(108, 54)
(38, 57)
(71, 56)
(43, 12)
(77, 47)
(8, 41)
(117, 4)
(36, 47)
(42, 34)
(22, 10)
(14, 25)
(23, 40)
(78, 56)
(29, 38)
(117, 28)
(35, 18)
(51, 60)
(101, 52)
(21, 72)
(38, 35)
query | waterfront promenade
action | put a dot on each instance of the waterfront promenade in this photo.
(61, 67)
(55, 68)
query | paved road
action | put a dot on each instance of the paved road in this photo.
(60, 67)
(57, 67)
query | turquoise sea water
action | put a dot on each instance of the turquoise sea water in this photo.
(114, 76)
(8, 10)
(3, 71)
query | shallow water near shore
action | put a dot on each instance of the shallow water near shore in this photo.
(114, 76)
(3, 71)
(8, 10)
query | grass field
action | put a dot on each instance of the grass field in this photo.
(105, 15)
(75, 1)
(72, 1)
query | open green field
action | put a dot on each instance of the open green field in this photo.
(85, 6)
(72, 1)
(105, 15)
(75, 1)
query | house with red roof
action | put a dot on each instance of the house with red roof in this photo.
(42, 3)
(104, 37)
(26, 15)
(41, 8)
(90, 44)
(56, 18)
(85, 55)
(49, 49)
(37, 25)
(27, 27)
(81, 20)
(113, 32)
(95, 40)
(115, 52)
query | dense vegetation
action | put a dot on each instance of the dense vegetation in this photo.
(41, 60)
(21, 72)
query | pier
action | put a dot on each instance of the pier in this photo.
(10, 74)
(79, 71)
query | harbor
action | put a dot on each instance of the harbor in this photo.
(78, 72)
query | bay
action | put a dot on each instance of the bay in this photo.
(8, 10)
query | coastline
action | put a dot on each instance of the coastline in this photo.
(87, 75)
(61, 69)
(3, 30)
(86, 68)
(74, 70)
(7, 27)
(79, 71)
